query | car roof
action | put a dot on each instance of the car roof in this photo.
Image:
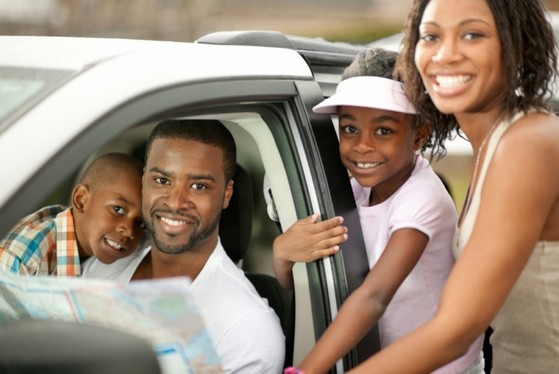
(128, 67)
(327, 59)
(78, 53)
(317, 50)
(73, 53)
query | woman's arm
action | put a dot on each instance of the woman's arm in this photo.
(305, 241)
(366, 305)
(520, 190)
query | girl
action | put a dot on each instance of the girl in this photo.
(407, 216)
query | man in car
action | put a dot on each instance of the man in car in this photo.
(187, 182)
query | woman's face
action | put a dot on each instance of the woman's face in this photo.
(458, 56)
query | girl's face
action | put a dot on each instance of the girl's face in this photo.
(377, 146)
(459, 56)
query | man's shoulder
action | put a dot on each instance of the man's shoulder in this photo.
(224, 288)
(246, 330)
(220, 272)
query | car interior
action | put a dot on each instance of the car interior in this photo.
(235, 231)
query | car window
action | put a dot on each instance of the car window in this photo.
(20, 88)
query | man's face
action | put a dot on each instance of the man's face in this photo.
(183, 193)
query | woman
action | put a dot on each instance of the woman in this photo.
(487, 66)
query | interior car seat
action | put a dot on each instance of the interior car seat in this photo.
(235, 231)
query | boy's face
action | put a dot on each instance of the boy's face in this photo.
(184, 192)
(377, 146)
(111, 224)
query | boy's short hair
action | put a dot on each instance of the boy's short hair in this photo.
(106, 168)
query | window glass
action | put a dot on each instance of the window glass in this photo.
(21, 88)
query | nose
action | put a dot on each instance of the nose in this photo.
(447, 52)
(178, 197)
(365, 143)
(126, 228)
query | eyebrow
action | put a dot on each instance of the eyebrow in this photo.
(462, 23)
(165, 173)
(124, 200)
(155, 169)
(201, 177)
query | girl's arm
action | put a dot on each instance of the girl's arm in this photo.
(305, 241)
(365, 305)
(521, 190)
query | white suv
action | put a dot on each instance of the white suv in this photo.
(65, 100)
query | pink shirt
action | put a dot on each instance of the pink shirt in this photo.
(421, 203)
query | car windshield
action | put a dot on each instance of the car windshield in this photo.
(21, 88)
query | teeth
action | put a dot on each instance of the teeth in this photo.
(172, 222)
(367, 165)
(452, 81)
(114, 244)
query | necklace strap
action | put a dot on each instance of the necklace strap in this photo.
(473, 180)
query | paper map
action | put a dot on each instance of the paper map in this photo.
(161, 311)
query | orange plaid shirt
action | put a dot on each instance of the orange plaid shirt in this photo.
(43, 243)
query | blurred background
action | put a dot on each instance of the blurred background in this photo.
(354, 21)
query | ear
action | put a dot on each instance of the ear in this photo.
(80, 195)
(228, 194)
(421, 136)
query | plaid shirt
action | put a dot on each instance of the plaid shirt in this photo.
(43, 243)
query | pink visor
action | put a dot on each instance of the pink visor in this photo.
(368, 92)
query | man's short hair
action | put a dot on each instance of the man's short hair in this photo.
(210, 132)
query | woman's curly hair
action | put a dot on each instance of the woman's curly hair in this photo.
(528, 55)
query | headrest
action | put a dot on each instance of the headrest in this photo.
(235, 226)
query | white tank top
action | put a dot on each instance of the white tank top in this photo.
(526, 328)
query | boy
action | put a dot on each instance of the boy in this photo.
(105, 221)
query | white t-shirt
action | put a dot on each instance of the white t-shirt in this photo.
(246, 332)
(421, 203)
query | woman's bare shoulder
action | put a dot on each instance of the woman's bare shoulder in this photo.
(533, 131)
